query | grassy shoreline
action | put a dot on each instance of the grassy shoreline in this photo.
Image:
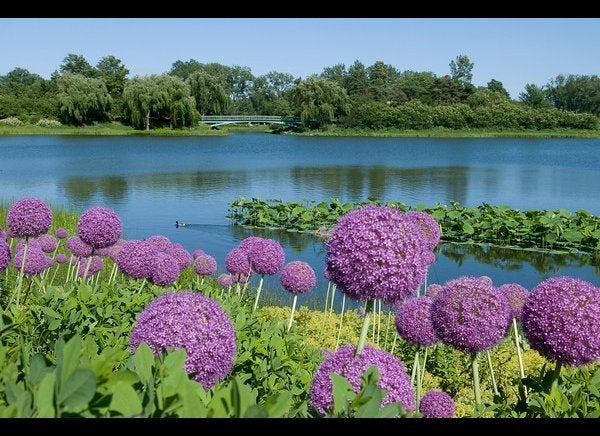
(118, 129)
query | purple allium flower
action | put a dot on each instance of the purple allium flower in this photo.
(61, 258)
(413, 321)
(470, 315)
(29, 217)
(161, 242)
(205, 265)
(36, 260)
(361, 311)
(374, 252)
(196, 253)
(427, 225)
(78, 247)
(242, 278)
(561, 320)
(237, 262)
(10, 233)
(437, 404)
(61, 233)
(136, 259)
(30, 243)
(194, 322)
(48, 243)
(96, 265)
(3, 234)
(99, 227)
(433, 289)
(225, 280)
(515, 295)
(4, 255)
(165, 269)
(183, 257)
(393, 377)
(298, 277)
(247, 243)
(266, 256)
(74, 260)
(326, 273)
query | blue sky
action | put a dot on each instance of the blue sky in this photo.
(515, 51)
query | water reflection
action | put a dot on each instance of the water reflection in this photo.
(81, 189)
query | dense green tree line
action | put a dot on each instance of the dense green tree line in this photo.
(376, 96)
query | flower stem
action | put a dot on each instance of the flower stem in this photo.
(365, 328)
(489, 359)
(292, 313)
(521, 366)
(337, 341)
(415, 367)
(87, 267)
(22, 272)
(476, 387)
(387, 328)
(394, 342)
(378, 322)
(419, 381)
(332, 298)
(260, 284)
(556, 375)
(325, 310)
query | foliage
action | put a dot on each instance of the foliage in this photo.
(577, 93)
(209, 93)
(45, 122)
(11, 121)
(461, 69)
(82, 100)
(319, 101)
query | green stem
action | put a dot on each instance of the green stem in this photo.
(141, 286)
(260, 285)
(415, 367)
(87, 267)
(378, 322)
(521, 366)
(69, 269)
(325, 311)
(364, 330)
(489, 359)
(394, 342)
(292, 313)
(424, 363)
(556, 375)
(327, 296)
(476, 387)
(419, 381)
(332, 299)
(113, 273)
(22, 272)
(337, 341)
(387, 328)
(54, 275)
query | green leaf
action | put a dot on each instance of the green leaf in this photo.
(343, 392)
(78, 390)
(125, 400)
(467, 228)
(277, 405)
(37, 369)
(192, 406)
(143, 360)
(68, 360)
(44, 397)
(175, 360)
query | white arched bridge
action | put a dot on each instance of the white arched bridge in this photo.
(220, 120)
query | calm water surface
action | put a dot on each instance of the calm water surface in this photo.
(151, 182)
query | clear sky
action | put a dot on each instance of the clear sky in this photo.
(515, 51)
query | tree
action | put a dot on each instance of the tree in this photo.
(77, 64)
(357, 82)
(114, 73)
(497, 86)
(578, 93)
(445, 90)
(336, 73)
(535, 96)
(163, 99)
(415, 85)
(319, 101)
(461, 69)
(381, 78)
(209, 93)
(183, 69)
(82, 100)
(486, 97)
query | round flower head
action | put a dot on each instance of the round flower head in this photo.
(433, 289)
(437, 404)
(165, 270)
(393, 377)
(205, 265)
(266, 256)
(96, 265)
(561, 320)
(298, 277)
(30, 243)
(196, 253)
(194, 322)
(113, 250)
(36, 260)
(4, 255)
(374, 252)
(183, 257)
(48, 243)
(136, 259)
(248, 243)
(237, 262)
(470, 315)
(242, 278)
(413, 321)
(61, 258)
(3, 234)
(29, 217)
(515, 295)
(225, 280)
(61, 233)
(78, 247)
(427, 225)
(161, 242)
(99, 227)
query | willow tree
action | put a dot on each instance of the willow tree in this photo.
(209, 93)
(82, 100)
(319, 101)
(161, 99)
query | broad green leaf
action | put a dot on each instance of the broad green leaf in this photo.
(192, 406)
(44, 397)
(467, 228)
(68, 360)
(78, 390)
(125, 400)
(279, 404)
(343, 392)
(143, 360)
(37, 369)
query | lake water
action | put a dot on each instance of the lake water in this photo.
(153, 181)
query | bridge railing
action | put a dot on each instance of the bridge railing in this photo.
(247, 118)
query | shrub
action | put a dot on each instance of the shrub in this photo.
(46, 122)
(11, 121)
